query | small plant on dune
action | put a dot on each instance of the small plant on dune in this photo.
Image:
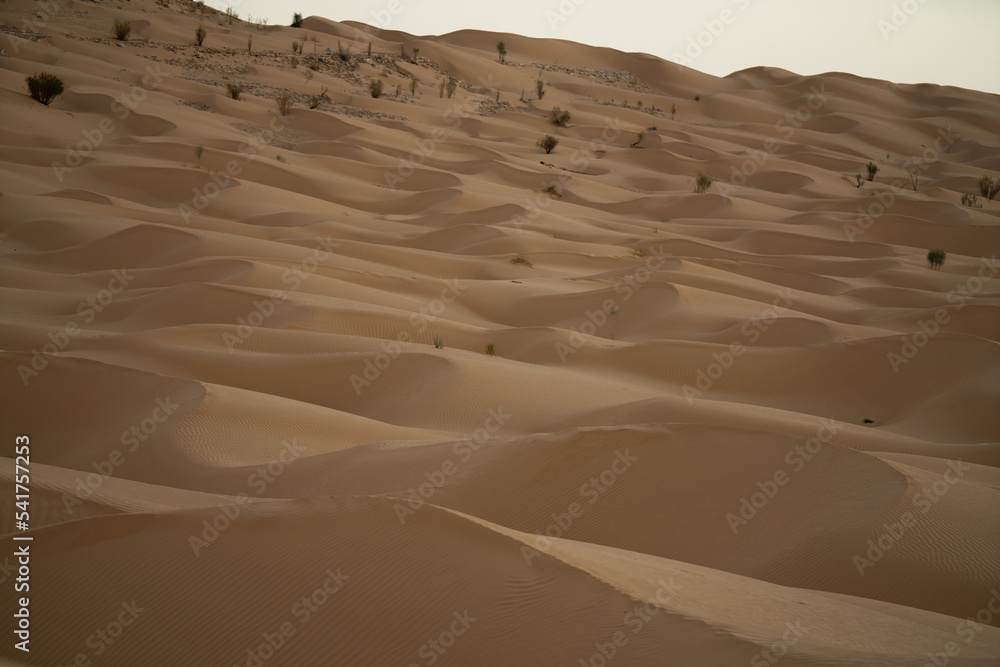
(416, 54)
(872, 170)
(491, 350)
(498, 94)
(521, 259)
(398, 88)
(309, 74)
(501, 51)
(296, 47)
(199, 149)
(914, 179)
(199, 35)
(641, 136)
(375, 88)
(296, 20)
(234, 90)
(450, 87)
(869, 421)
(249, 43)
(284, 103)
(294, 62)
(413, 86)
(281, 159)
(972, 201)
(640, 252)
(673, 111)
(988, 187)
(559, 117)
(697, 98)
(861, 181)
(935, 258)
(344, 52)
(702, 183)
(314, 102)
(44, 87)
(548, 143)
(439, 342)
(540, 87)
(552, 191)
(369, 49)
(122, 29)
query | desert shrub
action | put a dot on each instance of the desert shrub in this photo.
(375, 88)
(540, 87)
(935, 258)
(234, 90)
(314, 102)
(860, 181)
(413, 86)
(971, 201)
(284, 102)
(702, 182)
(439, 342)
(872, 170)
(552, 191)
(249, 43)
(344, 52)
(198, 152)
(638, 140)
(491, 350)
(501, 51)
(560, 117)
(548, 143)
(988, 187)
(673, 111)
(450, 87)
(296, 20)
(122, 29)
(199, 35)
(44, 87)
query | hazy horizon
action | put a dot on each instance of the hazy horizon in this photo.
(904, 41)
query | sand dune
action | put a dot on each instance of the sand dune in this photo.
(380, 382)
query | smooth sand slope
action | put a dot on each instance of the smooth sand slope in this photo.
(252, 354)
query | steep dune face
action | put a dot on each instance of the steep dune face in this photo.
(380, 382)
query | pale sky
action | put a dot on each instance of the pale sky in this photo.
(953, 42)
